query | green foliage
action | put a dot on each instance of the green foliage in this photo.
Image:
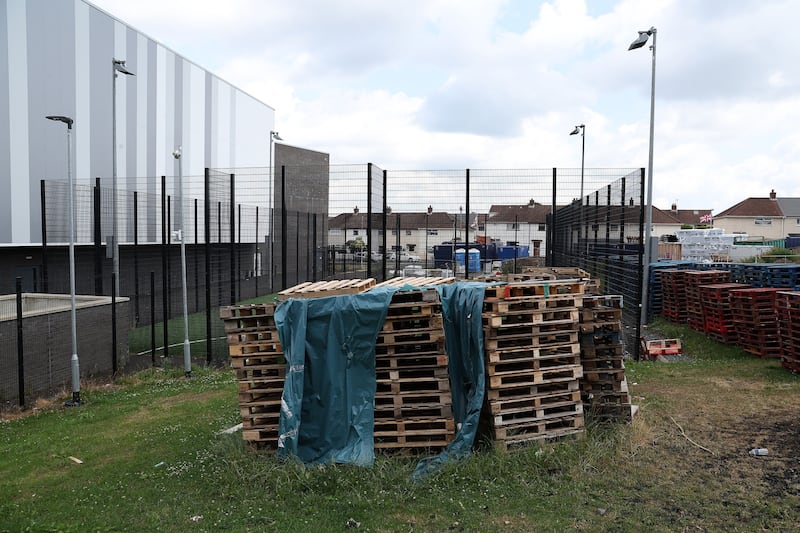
(154, 460)
(779, 255)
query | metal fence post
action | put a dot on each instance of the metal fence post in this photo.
(136, 257)
(284, 243)
(315, 248)
(466, 231)
(164, 268)
(551, 251)
(207, 224)
(45, 285)
(153, 317)
(232, 243)
(114, 323)
(98, 240)
(383, 223)
(20, 347)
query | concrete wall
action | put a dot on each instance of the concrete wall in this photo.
(47, 348)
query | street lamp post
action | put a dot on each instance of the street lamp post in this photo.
(582, 130)
(273, 136)
(427, 220)
(74, 363)
(638, 43)
(187, 350)
(118, 65)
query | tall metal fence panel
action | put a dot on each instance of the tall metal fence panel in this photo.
(252, 232)
(602, 232)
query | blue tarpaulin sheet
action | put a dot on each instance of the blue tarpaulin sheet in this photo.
(327, 412)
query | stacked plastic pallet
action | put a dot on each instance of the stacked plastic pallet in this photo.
(413, 402)
(257, 357)
(755, 321)
(754, 275)
(604, 389)
(694, 304)
(656, 296)
(782, 276)
(673, 289)
(532, 361)
(715, 299)
(787, 308)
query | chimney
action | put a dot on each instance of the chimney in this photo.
(531, 203)
(773, 195)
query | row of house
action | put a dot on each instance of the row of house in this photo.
(769, 218)
(524, 225)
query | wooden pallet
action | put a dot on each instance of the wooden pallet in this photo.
(322, 289)
(528, 403)
(414, 405)
(533, 288)
(533, 303)
(531, 364)
(536, 415)
(414, 281)
(534, 377)
(530, 352)
(405, 323)
(533, 318)
(512, 435)
(412, 433)
(518, 392)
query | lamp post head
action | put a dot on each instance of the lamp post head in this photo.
(60, 118)
(430, 209)
(578, 129)
(642, 39)
(355, 210)
(177, 153)
(275, 135)
(119, 66)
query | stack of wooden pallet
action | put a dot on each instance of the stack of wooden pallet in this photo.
(755, 321)
(673, 290)
(787, 307)
(532, 361)
(716, 302)
(693, 279)
(257, 358)
(604, 388)
(413, 402)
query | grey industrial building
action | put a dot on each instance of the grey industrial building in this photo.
(56, 58)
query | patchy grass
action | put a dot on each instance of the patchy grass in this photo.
(153, 459)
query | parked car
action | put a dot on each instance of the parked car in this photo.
(409, 257)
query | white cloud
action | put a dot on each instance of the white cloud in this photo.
(483, 84)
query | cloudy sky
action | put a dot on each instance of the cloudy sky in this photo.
(489, 84)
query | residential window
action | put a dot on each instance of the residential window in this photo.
(436, 231)
(763, 221)
(542, 227)
(512, 226)
(614, 227)
(408, 232)
(380, 232)
(394, 232)
(797, 221)
(355, 232)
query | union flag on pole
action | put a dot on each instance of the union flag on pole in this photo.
(706, 219)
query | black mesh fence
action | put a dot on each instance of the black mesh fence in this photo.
(601, 231)
(248, 233)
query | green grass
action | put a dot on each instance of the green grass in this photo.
(153, 459)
